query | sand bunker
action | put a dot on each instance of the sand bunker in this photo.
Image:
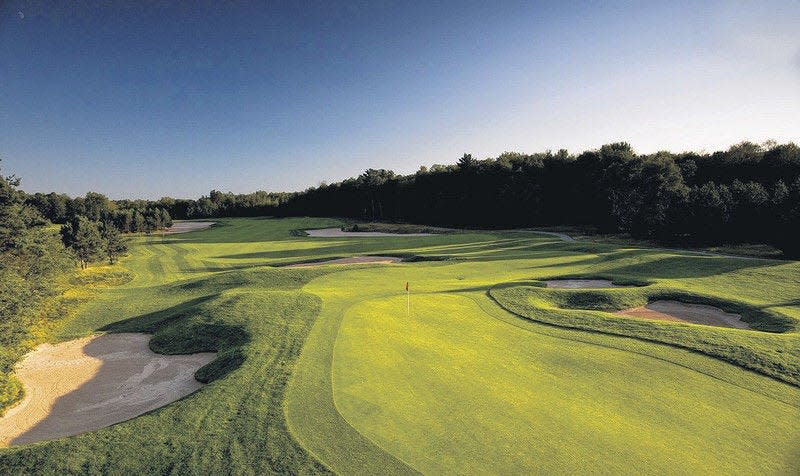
(338, 233)
(682, 312)
(584, 284)
(87, 384)
(353, 260)
(187, 226)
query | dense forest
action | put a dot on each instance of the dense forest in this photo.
(749, 193)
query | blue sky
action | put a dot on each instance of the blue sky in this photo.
(146, 99)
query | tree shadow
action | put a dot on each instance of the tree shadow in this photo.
(176, 332)
(793, 302)
(286, 253)
(568, 264)
(678, 267)
(221, 268)
(486, 288)
(149, 323)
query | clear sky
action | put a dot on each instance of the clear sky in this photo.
(144, 99)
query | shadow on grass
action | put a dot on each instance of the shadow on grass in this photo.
(177, 331)
(285, 253)
(149, 323)
(488, 287)
(678, 267)
(217, 268)
(794, 302)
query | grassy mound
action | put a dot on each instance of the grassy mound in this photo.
(771, 355)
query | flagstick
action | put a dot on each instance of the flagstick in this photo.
(408, 298)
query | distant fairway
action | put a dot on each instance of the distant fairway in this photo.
(321, 369)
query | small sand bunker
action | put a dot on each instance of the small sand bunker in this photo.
(338, 233)
(682, 312)
(187, 226)
(353, 260)
(584, 284)
(86, 384)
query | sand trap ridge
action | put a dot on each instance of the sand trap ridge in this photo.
(187, 226)
(584, 284)
(90, 383)
(682, 312)
(338, 233)
(352, 260)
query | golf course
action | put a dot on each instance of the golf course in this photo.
(489, 364)
(367, 238)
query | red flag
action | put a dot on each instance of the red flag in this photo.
(406, 286)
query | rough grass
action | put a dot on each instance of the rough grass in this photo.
(458, 385)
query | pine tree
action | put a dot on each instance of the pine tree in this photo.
(83, 237)
(113, 243)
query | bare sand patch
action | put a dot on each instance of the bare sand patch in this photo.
(338, 233)
(584, 284)
(187, 226)
(90, 383)
(677, 311)
(351, 260)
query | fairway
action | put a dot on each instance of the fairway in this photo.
(322, 368)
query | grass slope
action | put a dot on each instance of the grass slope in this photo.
(319, 369)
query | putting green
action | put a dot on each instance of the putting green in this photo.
(450, 389)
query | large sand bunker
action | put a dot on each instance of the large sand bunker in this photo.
(90, 383)
(677, 311)
(338, 233)
(187, 226)
(352, 260)
(584, 284)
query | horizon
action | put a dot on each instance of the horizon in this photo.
(166, 100)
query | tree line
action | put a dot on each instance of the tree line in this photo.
(128, 216)
(749, 193)
(92, 225)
